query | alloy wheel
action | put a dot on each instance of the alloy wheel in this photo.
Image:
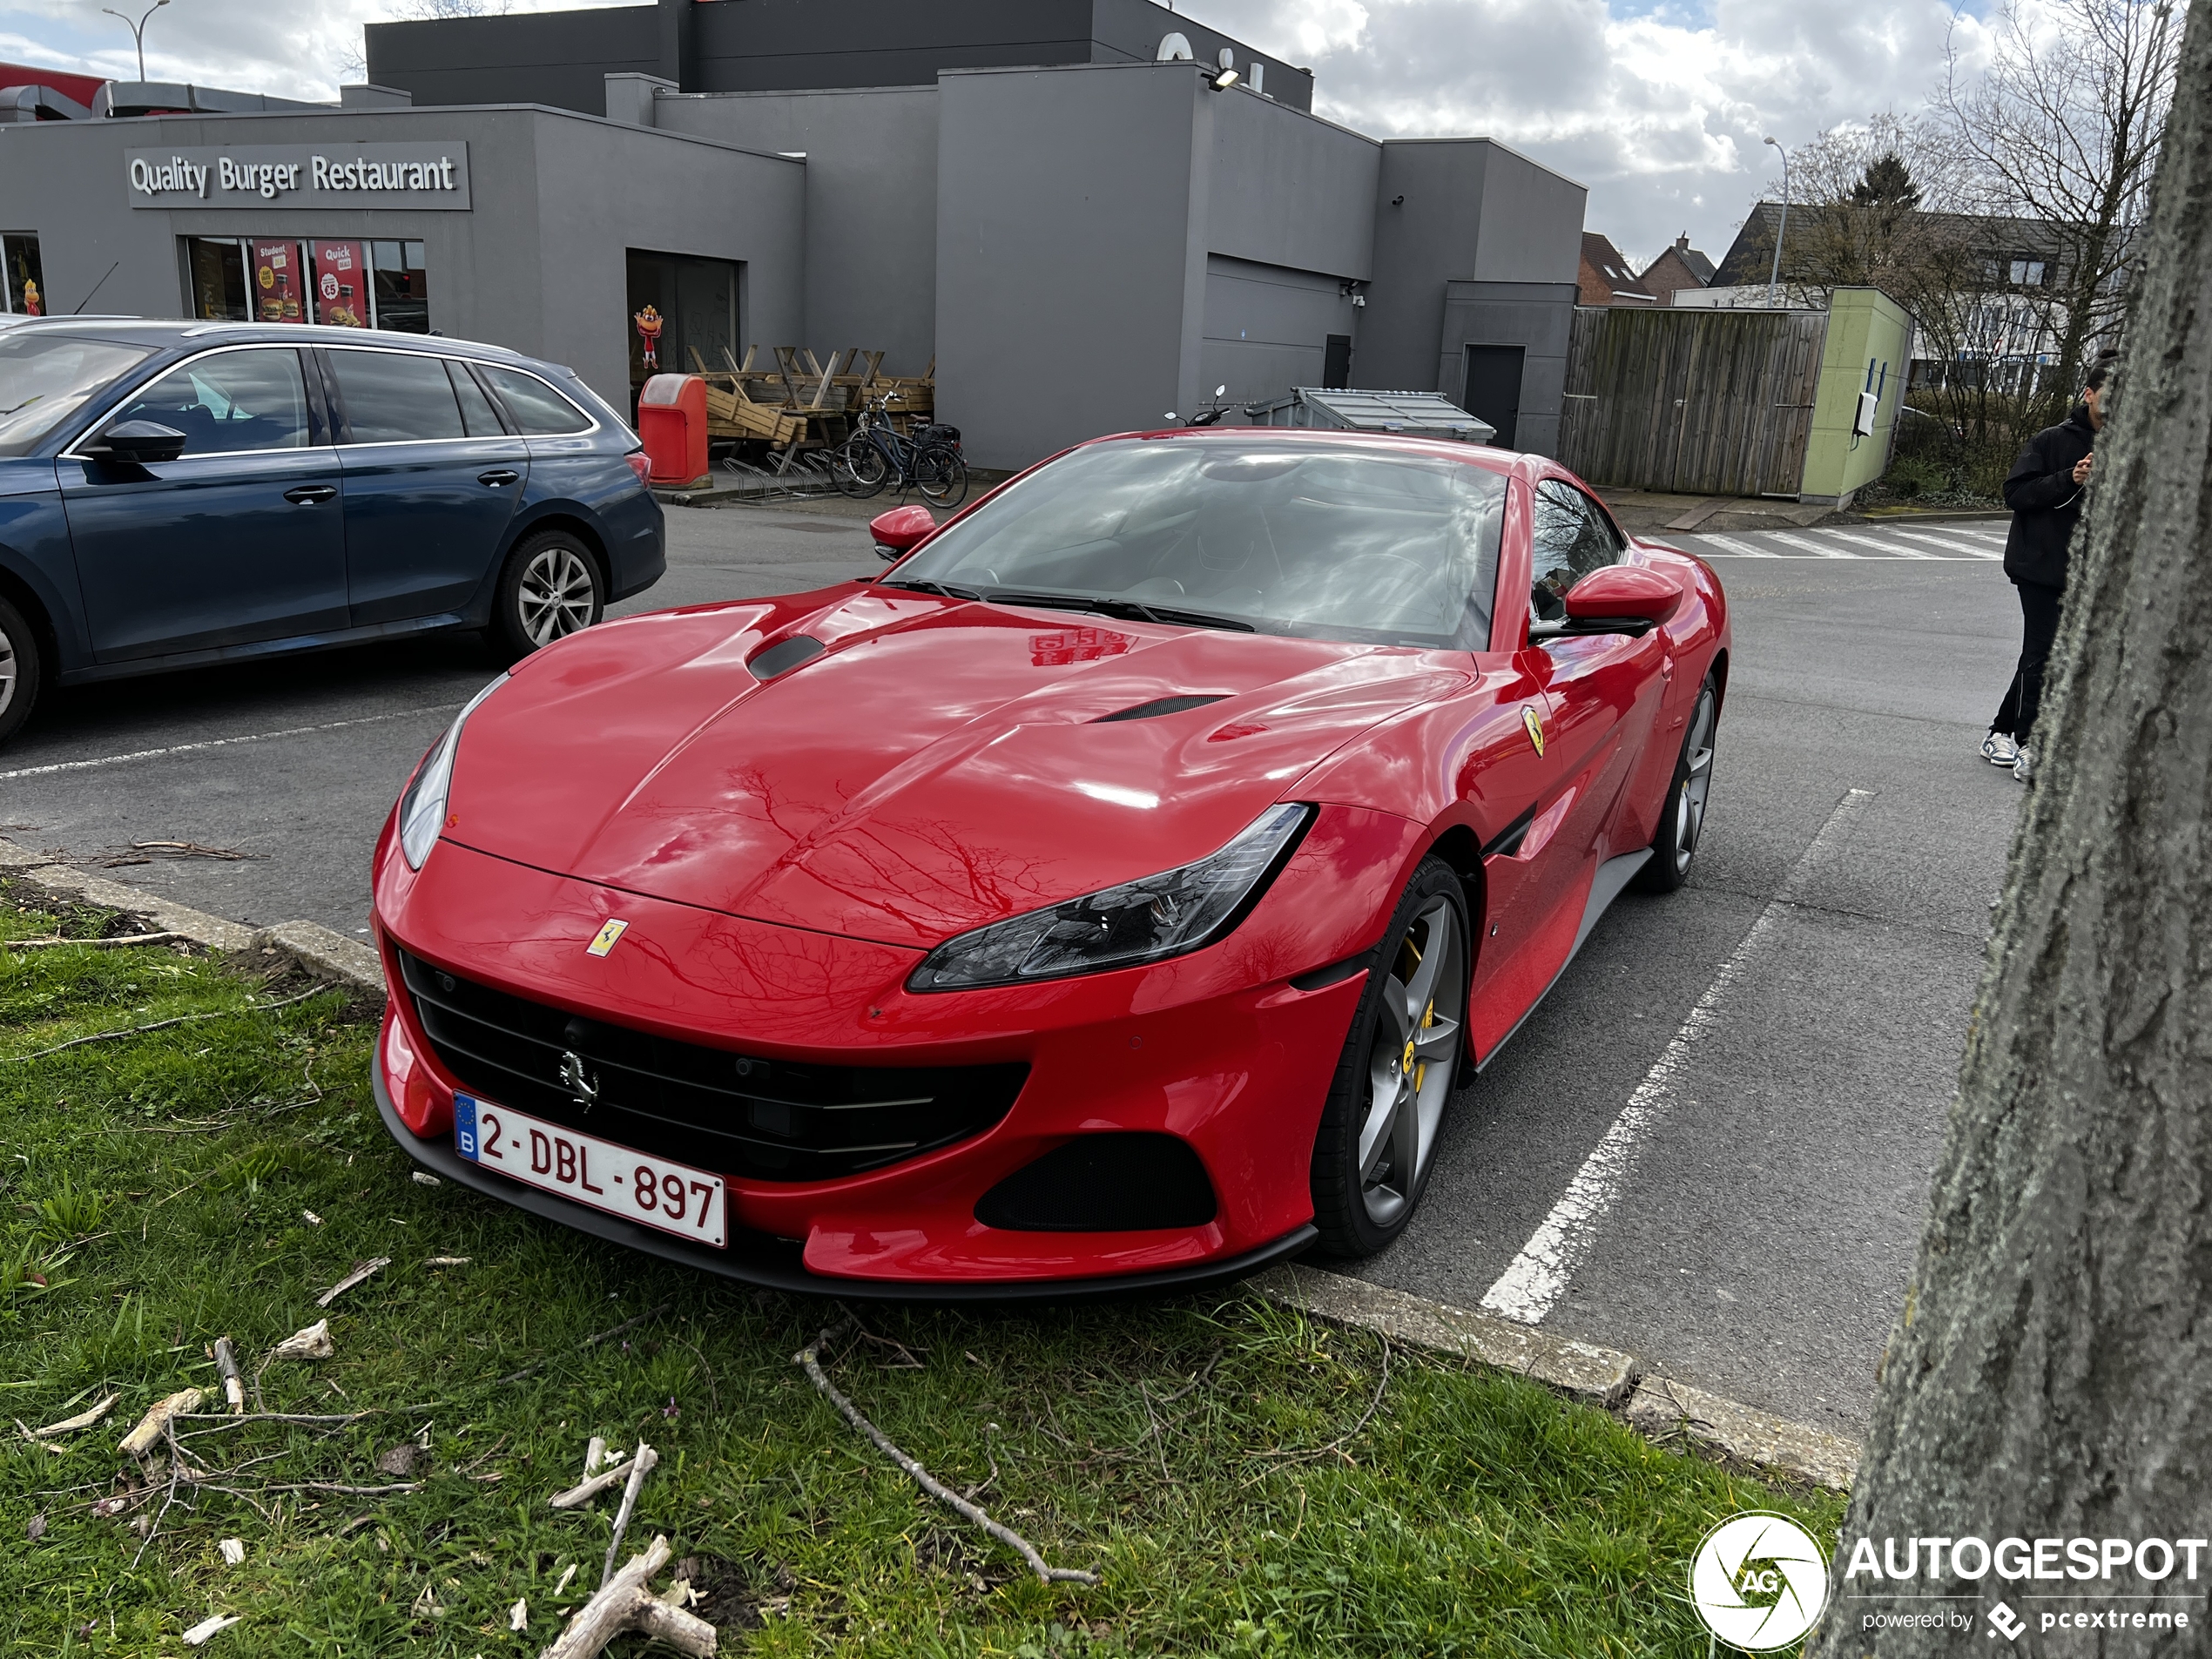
(1413, 1060)
(557, 594)
(1689, 799)
(10, 673)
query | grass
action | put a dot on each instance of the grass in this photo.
(155, 1192)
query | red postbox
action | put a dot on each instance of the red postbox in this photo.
(671, 418)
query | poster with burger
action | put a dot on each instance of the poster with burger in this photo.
(341, 284)
(276, 282)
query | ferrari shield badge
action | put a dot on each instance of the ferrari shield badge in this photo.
(603, 940)
(1528, 718)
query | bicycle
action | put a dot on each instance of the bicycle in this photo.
(877, 452)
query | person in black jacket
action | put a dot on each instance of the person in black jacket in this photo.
(2045, 492)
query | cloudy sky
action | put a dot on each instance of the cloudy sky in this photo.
(1658, 107)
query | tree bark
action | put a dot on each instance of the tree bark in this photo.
(2051, 1375)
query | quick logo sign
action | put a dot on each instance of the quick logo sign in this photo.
(433, 175)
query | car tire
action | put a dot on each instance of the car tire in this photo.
(550, 589)
(22, 670)
(1381, 1125)
(1681, 821)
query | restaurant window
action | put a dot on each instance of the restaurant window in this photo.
(339, 282)
(25, 291)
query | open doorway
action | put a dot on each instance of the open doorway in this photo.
(697, 301)
(1493, 388)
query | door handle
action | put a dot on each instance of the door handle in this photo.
(497, 477)
(309, 494)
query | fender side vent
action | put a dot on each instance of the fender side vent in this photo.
(1131, 1182)
(1508, 841)
(1160, 706)
(785, 654)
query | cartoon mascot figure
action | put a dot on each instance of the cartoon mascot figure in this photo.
(31, 306)
(648, 326)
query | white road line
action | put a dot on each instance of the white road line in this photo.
(1978, 550)
(1886, 549)
(223, 742)
(1742, 550)
(1812, 546)
(1531, 1287)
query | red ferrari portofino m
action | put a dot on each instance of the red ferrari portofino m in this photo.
(1111, 893)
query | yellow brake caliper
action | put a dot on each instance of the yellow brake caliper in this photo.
(1428, 1018)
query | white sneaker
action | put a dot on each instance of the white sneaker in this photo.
(2024, 768)
(1998, 749)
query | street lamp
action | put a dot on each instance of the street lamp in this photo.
(138, 30)
(1774, 272)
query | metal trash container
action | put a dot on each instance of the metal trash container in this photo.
(671, 420)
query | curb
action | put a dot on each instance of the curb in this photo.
(307, 945)
(1654, 1405)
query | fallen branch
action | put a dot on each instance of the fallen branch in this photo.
(625, 1603)
(226, 1368)
(529, 1370)
(641, 1464)
(163, 1025)
(114, 943)
(331, 1419)
(592, 1485)
(1337, 1445)
(83, 1419)
(809, 1357)
(364, 1271)
(312, 1343)
(151, 1427)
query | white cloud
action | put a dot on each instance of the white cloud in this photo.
(1659, 109)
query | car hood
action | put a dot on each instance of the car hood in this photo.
(27, 476)
(938, 765)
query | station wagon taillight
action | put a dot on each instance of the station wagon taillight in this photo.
(639, 464)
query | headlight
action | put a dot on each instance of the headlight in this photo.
(422, 809)
(1139, 921)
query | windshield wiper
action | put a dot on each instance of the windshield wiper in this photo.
(937, 588)
(1125, 609)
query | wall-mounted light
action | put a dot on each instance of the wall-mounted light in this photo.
(1224, 80)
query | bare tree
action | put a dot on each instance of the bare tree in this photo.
(2049, 1376)
(2063, 126)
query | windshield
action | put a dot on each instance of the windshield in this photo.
(1326, 541)
(46, 378)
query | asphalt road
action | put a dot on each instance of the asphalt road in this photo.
(1757, 1200)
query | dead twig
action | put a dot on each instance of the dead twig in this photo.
(366, 1270)
(226, 1368)
(590, 1341)
(626, 1602)
(593, 1485)
(809, 1358)
(84, 1418)
(641, 1464)
(1338, 1444)
(332, 1420)
(116, 943)
(140, 1440)
(163, 1025)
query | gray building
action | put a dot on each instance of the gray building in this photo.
(1079, 240)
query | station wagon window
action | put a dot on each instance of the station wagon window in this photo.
(539, 410)
(1570, 538)
(231, 401)
(476, 412)
(396, 397)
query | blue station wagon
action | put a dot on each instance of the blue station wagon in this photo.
(175, 494)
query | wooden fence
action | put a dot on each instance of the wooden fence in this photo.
(1696, 401)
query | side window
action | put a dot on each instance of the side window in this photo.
(475, 409)
(537, 409)
(233, 400)
(1570, 538)
(396, 397)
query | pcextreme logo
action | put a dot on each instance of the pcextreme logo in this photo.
(1759, 1582)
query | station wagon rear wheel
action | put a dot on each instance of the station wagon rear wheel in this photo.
(551, 589)
(22, 669)
(1399, 1065)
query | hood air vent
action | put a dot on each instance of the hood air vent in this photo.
(1160, 706)
(784, 654)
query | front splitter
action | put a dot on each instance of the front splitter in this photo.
(773, 1264)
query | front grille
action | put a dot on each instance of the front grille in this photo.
(755, 1119)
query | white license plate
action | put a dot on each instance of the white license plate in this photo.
(654, 1192)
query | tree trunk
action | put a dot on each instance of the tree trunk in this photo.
(2050, 1376)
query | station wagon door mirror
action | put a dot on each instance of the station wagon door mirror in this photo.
(139, 444)
(897, 531)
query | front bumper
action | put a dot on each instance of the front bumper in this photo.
(1189, 1048)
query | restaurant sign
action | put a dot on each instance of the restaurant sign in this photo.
(296, 175)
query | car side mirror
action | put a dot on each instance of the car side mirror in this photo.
(897, 531)
(1619, 599)
(139, 442)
